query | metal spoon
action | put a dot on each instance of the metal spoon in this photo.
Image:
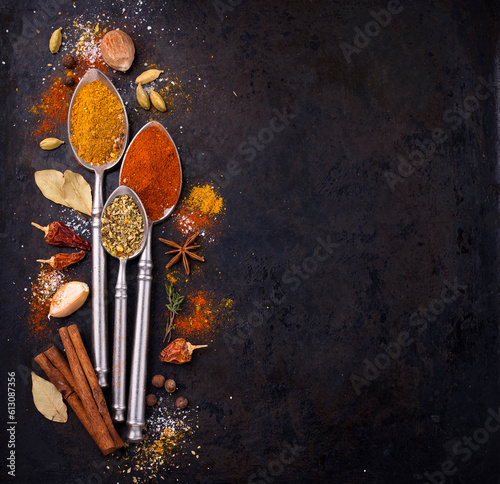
(136, 419)
(120, 328)
(99, 317)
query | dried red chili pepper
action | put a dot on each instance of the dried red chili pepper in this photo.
(60, 261)
(62, 236)
(178, 351)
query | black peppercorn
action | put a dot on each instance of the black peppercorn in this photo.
(69, 81)
(170, 386)
(158, 381)
(181, 403)
(69, 61)
(151, 400)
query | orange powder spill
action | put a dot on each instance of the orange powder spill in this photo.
(43, 288)
(201, 315)
(52, 110)
(186, 220)
(201, 211)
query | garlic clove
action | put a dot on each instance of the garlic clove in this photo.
(68, 299)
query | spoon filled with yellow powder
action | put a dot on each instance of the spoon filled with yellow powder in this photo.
(98, 133)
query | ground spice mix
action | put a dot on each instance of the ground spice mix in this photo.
(151, 168)
(97, 124)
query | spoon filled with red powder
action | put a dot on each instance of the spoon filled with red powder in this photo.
(152, 168)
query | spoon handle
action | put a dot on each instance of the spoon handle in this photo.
(119, 344)
(99, 317)
(137, 395)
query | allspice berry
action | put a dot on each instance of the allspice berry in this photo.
(170, 386)
(69, 81)
(151, 400)
(69, 61)
(181, 403)
(158, 381)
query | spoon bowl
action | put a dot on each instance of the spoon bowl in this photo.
(90, 76)
(124, 190)
(158, 125)
(99, 317)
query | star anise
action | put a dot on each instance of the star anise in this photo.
(183, 251)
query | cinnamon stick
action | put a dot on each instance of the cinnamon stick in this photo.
(58, 360)
(83, 390)
(83, 356)
(55, 376)
(60, 382)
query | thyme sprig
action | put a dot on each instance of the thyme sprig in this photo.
(174, 306)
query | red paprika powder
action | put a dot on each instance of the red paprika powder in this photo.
(151, 168)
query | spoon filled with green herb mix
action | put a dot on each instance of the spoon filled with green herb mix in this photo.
(123, 224)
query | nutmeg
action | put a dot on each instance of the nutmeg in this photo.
(117, 50)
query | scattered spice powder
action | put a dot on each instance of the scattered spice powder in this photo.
(43, 288)
(174, 91)
(205, 200)
(88, 49)
(168, 435)
(52, 110)
(199, 212)
(202, 314)
(186, 220)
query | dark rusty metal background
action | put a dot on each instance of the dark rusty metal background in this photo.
(335, 247)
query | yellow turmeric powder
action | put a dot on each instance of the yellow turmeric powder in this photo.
(98, 124)
(205, 200)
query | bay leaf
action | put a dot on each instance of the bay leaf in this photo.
(48, 400)
(51, 182)
(77, 192)
(68, 189)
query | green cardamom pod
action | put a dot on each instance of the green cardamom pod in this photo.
(142, 97)
(55, 41)
(50, 143)
(157, 101)
(148, 76)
